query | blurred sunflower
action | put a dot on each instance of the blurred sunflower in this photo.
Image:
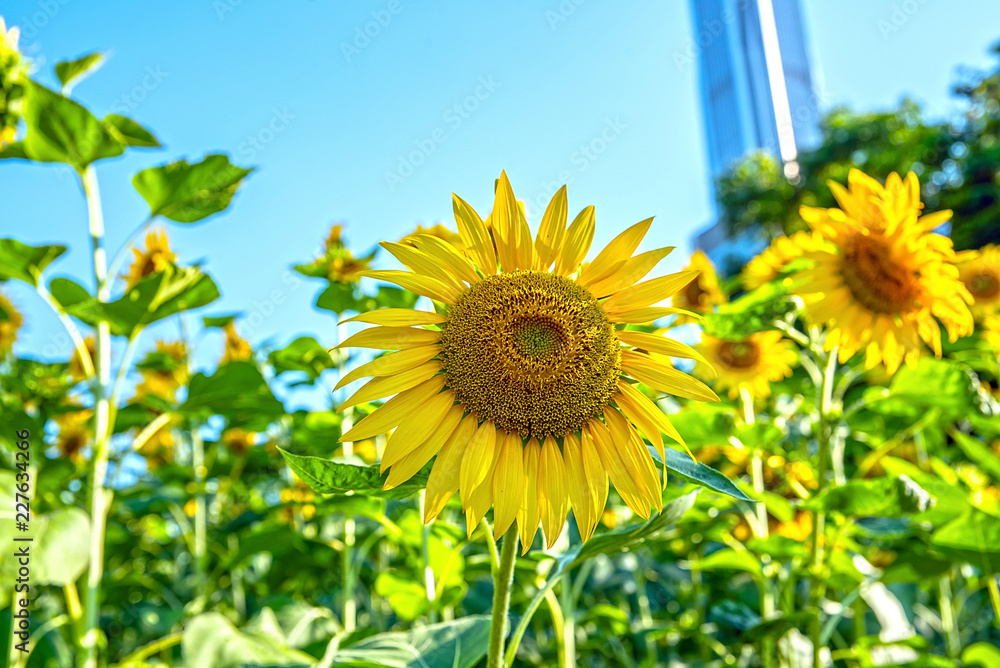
(439, 231)
(73, 434)
(772, 261)
(884, 277)
(299, 497)
(9, 324)
(991, 330)
(159, 447)
(980, 272)
(704, 292)
(13, 69)
(76, 368)
(238, 441)
(519, 389)
(236, 347)
(156, 257)
(753, 363)
(163, 371)
(337, 263)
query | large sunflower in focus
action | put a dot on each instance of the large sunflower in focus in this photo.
(753, 363)
(883, 280)
(519, 382)
(980, 272)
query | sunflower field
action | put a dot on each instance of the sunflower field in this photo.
(537, 452)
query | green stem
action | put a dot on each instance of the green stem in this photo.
(200, 514)
(99, 497)
(952, 639)
(819, 517)
(566, 602)
(994, 589)
(501, 598)
(429, 584)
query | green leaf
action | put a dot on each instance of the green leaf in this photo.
(932, 382)
(751, 313)
(615, 541)
(153, 298)
(682, 465)
(303, 354)
(129, 133)
(458, 644)
(219, 321)
(23, 262)
(210, 640)
(979, 453)
(731, 560)
(981, 655)
(340, 297)
(188, 193)
(71, 71)
(61, 551)
(326, 477)
(407, 598)
(68, 293)
(777, 627)
(973, 537)
(61, 130)
(236, 391)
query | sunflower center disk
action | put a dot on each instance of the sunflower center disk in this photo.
(876, 279)
(739, 354)
(532, 351)
(984, 286)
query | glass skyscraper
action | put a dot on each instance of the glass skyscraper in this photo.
(756, 94)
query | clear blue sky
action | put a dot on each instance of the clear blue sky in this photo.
(212, 76)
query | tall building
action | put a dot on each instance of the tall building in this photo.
(756, 94)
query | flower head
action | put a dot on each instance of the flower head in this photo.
(13, 69)
(238, 441)
(73, 434)
(163, 371)
(519, 382)
(704, 292)
(980, 272)
(156, 257)
(237, 348)
(753, 363)
(882, 281)
(10, 322)
(77, 368)
(775, 258)
(439, 231)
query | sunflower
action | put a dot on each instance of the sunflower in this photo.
(238, 441)
(517, 382)
(159, 447)
(156, 257)
(337, 264)
(9, 324)
(704, 292)
(13, 69)
(883, 277)
(439, 231)
(236, 347)
(775, 258)
(753, 363)
(980, 272)
(163, 371)
(76, 368)
(73, 433)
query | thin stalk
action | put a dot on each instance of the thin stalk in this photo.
(994, 589)
(558, 627)
(350, 615)
(819, 518)
(502, 580)
(200, 514)
(71, 329)
(568, 606)
(949, 625)
(491, 547)
(429, 585)
(99, 497)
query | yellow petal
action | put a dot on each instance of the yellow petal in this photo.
(551, 233)
(391, 338)
(661, 345)
(475, 236)
(445, 253)
(615, 254)
(392, 363)
(398, 317)
(642, 411)
(422, 264)
(478, 460)
(641, 315)
(631, 491)
(578, 239)
(443, 480)
(579, 489)
(626, 276)
(480, 499)
(394, 411)
(634, 456)
(408, 466)
(552, 483)
(377, 388)
(416, 429)
(659, 376)
(421, 285)
(649, 292)
(528, 514)
(510, 231)
(508, 483)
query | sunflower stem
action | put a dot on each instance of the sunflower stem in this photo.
(567, 601)
(429, 585)
(200, 516)
(994, 588)
(819, 517)
(502, 580)
(99, 497)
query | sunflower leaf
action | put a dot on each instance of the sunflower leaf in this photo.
(753, 312)
(188, 193)
(73, 71)
(23, 262)
(327, 477)
(696, 472)
(236, 391)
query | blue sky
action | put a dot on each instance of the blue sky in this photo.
(326, 113)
